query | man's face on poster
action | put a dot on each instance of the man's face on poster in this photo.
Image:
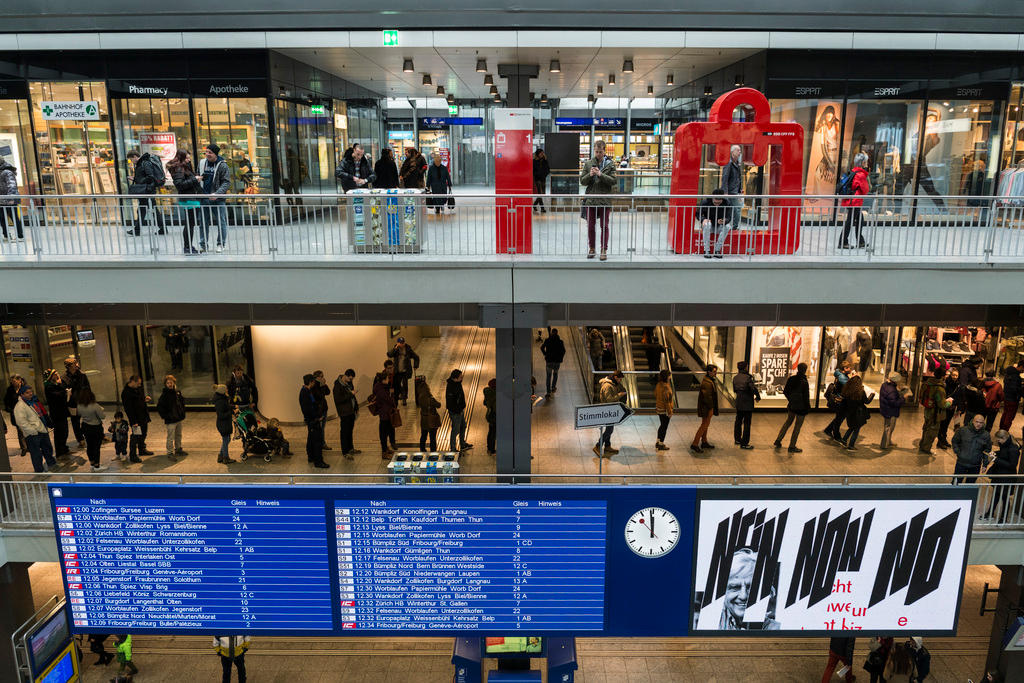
(738, 588)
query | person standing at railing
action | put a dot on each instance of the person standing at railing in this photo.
(598, 177)
(1007, 461)
(147, 177)
(183, 175)
(663, 407)
(355, 172)
(541, 171)
(858, 187)
(732, 183)
(707, 407)
(214, 176)
(10, 210)
(386, 171)
(798, 393)
(746, 394)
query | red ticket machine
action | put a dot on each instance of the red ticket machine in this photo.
(781, 234)
(513, 174)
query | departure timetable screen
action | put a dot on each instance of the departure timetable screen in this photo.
(509, 565)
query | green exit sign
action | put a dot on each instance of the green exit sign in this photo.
(318, 109)
(453, 110)
(390, 38)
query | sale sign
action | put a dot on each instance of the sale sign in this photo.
(161, 145)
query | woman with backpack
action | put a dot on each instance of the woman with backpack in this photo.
(183, 175)
(855, 408)
(854, 183)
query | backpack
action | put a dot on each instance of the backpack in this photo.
(845, 186)
(928, 397)
(833, 396)
(157, 171)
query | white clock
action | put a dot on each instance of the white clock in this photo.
(652, 532)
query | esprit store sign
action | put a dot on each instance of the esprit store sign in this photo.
(77, 111)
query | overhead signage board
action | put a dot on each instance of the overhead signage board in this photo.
(488, 561)
(73, 110)
(438, 122)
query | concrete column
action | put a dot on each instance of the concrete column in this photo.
(15, 609)
(518, 76)
(514, 326)
(1010, 597)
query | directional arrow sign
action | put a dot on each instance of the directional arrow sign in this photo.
(601, 415)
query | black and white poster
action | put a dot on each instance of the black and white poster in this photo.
(827, 560)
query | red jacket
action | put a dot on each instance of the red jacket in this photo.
(860, 187)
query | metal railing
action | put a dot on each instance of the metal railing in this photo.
(24, 501)
(508, 228)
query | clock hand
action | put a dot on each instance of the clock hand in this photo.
(652, 523)
(653, 535)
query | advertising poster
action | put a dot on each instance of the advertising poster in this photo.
(823, 164)
(774, 368)
(161, 145)
(827, 561)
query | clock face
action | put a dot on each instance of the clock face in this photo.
(652, 532)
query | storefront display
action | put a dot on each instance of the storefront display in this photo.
(239, 125)
(15, 134)
(306, 144)
(774, 354)
(75, 156)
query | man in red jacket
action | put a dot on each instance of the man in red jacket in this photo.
(854, 219)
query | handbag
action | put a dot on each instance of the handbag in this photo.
(139, 188)
(396, 419)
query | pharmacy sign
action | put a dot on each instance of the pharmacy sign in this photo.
(74, 111)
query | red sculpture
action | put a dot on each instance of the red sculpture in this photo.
(781, 234)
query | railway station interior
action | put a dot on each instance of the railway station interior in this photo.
(512, 417)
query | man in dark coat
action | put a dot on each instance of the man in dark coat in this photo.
(355, 171)
(347, 405)
(707, 407)
(553, 349)
(1011, 395)
(321, 392)
(56, 393)
(149, 176)
(406, 361)
(455, 403)
(746, 392)
(136, 411)
(314, 427)
(75, 380)
(798, 392)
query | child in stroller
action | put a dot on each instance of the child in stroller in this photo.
(275, 438)
(252, 436)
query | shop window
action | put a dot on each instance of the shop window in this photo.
(231, 344)
(182, 351)
(774, 354)
(16, 143)
(822, 133)
(306, 144)
(158, 126)
(240, 128)
(872, 351)
(1013, 134)
(75, 156)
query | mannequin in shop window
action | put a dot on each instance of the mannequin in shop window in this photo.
(864, 347)
(931, 141)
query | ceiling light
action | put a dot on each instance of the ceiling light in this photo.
(407, 66)
(493, 90)
(544, 98)
(497, 100)
(611, 79)
(627, 66)
(600, 89)
(670, 80)
(707, 90)
(440, 90)
(739, 80)
(426, 79)
(590, 98)
(555, 66)
(533, 94)
(488, 79)
(451, 98)
(650, 90)
(481, 65)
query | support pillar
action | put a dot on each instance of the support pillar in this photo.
(15, 609)
(518, 76)
(514, 325)
(1009, 600)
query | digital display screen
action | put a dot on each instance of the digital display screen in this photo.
(62, 670)
(530, 645)
(85, 335)
(48, 640)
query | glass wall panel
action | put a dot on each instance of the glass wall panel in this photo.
(239, 125)
(774, 354)
(306, 146)
(167, 350)
(821, 122)
(16, 143)
(158, 126)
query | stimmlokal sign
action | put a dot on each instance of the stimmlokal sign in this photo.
(601, 415)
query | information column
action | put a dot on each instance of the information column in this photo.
(428, 565)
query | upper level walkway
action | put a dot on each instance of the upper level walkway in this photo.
(944, 247)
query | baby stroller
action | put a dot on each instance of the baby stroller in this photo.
(248, 430)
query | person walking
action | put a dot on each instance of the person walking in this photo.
(715, 216)
(385, 171)
(595, 345)
(732, 184)
(136, 411)
(855, 409)
(183, 175)
(877, 659)
(745, 390)
(840, 651)
(1011, 395)
(387, 413)
(56, 393)
(1007, 461)
(994, 398)
(798, 396)
(491, 407)
(891, 397)
(430, 420)
(541, 171)
(935, 404)
(124, 654)
(347, 406)
(406, 362)
(598, 177)
(971, 444)
(922, 660)
(232, 650)
(171, 408)
(439, 184)
(96, 646)
(663, 407)
(225, 421)
(610, 391)
(320, 393)
(75, 380)
(707, 407)
(653, 351)
(414, 166)
(553, 350)
(834, 400)
(92, 416)
(147, 177)
(859, 187)
(216, 181)
(10, 210)
(11, 399)
(34, 422)
(314, 427)
(455, 404)
(355, 171)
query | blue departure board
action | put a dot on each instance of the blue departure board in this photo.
(232, 565)
(503, 565)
